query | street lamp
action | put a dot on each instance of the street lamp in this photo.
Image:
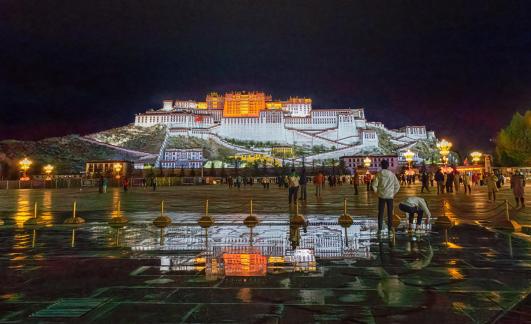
(444, 149)
(117, 169)
(367, 163)
(48, 169)
(476, 156)
(24, 166)
(408, 155)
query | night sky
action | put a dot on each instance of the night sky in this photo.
(461, 68)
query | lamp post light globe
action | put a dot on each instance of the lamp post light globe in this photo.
(476, 156)
(444, 149)
(367, 162)
(408, 155)
(117, 169)
(24, 167)
(48, 169)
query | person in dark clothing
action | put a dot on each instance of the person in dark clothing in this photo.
(303, 181)
(424, 178)
(439, 178)
(355, 181)
(450, 182)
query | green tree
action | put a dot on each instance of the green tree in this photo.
(513, 144)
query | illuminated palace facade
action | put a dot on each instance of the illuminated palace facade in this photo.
(255, 116)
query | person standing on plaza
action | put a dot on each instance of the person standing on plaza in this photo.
(414, 205)
(467, 182)
(355, 180)
(105, 184)
(154, 183)
(449, 182)
(386, 185)
(491, 180)
(125, 184)
(424, 178)
(303, 181)
(475, 179)
(439, 178)
(100, 184)
(293, 186)
(518, 185)
(367, 179)
(457, 180)
(432, 178)
(318, 181)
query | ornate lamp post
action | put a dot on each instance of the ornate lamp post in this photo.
(476, 156)
(367, 163)
(117, 169)
(444, 149)
(408, 155)
(48, 169)
(24, 166)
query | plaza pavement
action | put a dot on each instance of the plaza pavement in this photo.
(480, 275)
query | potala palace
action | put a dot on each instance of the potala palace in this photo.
(254, 116)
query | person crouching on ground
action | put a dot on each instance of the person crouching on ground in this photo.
(386, 185)
(414, 205)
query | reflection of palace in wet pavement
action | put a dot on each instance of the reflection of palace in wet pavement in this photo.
(273, 248)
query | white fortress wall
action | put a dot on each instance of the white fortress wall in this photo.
(252, 129)
(301, 138)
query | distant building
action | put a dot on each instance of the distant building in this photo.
(214, 101)
(282, 151)
(254, 116)
(108, 168)
(182, 158)
(244, 104)
(417, 132)
(298, 107)
(184, 104)
(357, 161)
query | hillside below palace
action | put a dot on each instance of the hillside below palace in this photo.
(255, 116)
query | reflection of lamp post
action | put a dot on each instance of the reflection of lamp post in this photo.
(476, 156)
(251, 221)
(408, 155)
(48, 169)
(444, 149)
(117, 169)
(24, 166)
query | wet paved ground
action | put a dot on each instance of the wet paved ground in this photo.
(96, 273)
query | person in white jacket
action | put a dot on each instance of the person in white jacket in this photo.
(414, 205)
(386, 185)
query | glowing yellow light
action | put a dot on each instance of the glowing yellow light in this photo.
(444, 149)
(25, 164)
(476, 156)
(48, 169)
(367, 162)
(455, 274)
(408, 155)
